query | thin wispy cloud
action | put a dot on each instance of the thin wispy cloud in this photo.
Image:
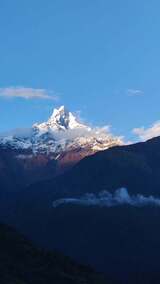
(27, 93)
(148, 133)
(134, 93)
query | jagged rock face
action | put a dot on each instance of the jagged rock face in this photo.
(51, 147)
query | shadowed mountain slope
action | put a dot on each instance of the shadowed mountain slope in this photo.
(21, 263)
(136, 167)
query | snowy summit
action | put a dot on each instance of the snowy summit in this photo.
(61, 119)
(62, 132)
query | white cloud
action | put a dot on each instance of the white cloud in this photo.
(134, 93)
(148, 133)
(26, 93)
(18, 132)
(106, 199)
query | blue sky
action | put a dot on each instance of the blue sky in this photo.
(101, 57)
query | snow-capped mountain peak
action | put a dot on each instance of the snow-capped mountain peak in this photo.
(62, 132)
(64, 119)
(61, 119)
